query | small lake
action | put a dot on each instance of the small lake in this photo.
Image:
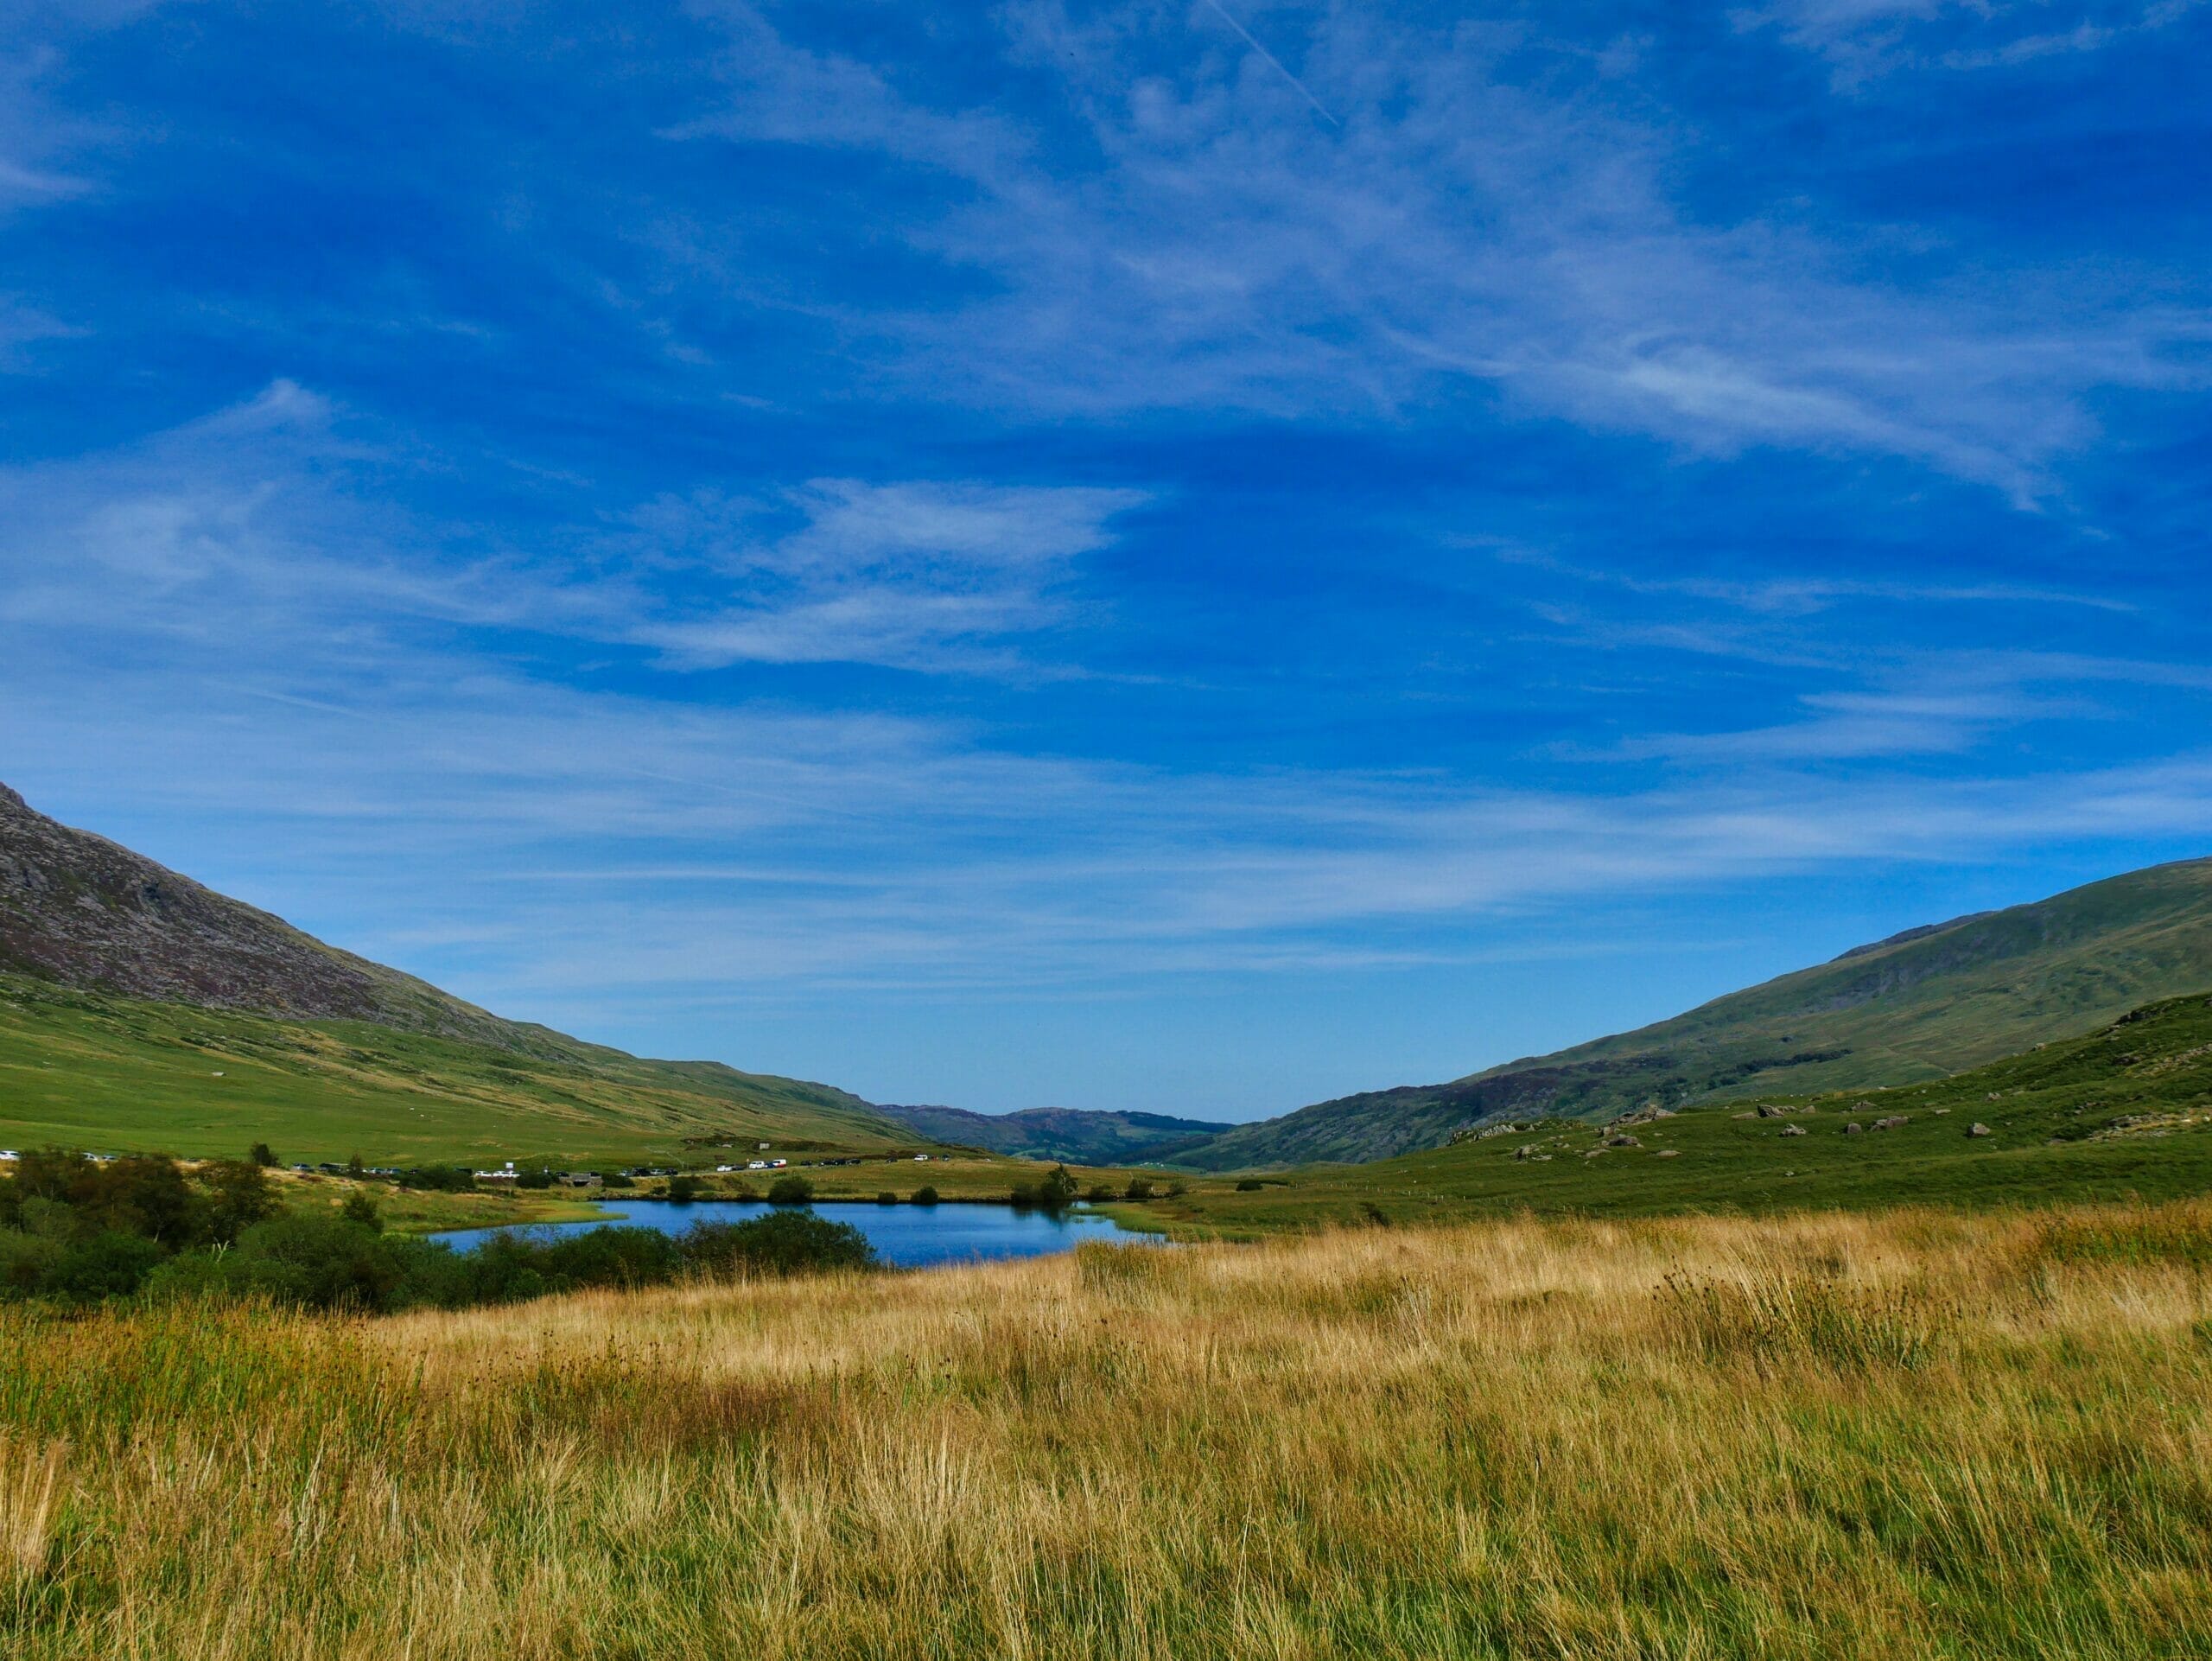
(911, 1237)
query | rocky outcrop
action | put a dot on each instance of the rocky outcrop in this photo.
(86, 912)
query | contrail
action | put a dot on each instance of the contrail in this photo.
(1275, 62)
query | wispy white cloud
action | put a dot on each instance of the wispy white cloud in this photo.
(747, 852)
(915, 574)
(260, 519)
(1865, 40)
(1464, 224)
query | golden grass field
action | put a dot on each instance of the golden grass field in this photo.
(1820, 1436)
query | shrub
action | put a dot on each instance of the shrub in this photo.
(617, 1179)
(925, 1195)
(511, 1266)
(780, 1243)
(790, 1190)
(1138, 1189)
(260, 1154)
(361, 1210)
(438, 1178)
(886, 1197)
(683, 1189)
(538, 1177)
(25, 1261)
(110, 1265)
(319, 1261)
(1250, 1185)
(1023, 1198)
(1101, 1194)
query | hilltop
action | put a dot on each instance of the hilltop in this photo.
(1920, 1005)
(140, 1009)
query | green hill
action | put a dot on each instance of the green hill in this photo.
(1919, 1006)
(142, 1010)
(112, 1074)
(2122, 1112)
(1082, 1135)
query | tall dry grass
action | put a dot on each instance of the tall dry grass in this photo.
(1818, 1437)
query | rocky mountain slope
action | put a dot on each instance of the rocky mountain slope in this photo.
(1921, 1005)
(85, 912)
(140, 1008)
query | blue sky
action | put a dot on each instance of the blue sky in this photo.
(1196, 557)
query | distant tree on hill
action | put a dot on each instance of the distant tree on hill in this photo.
(262, 1154)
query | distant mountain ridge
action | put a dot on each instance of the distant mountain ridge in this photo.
(1920, 1005)
(1082, 1135)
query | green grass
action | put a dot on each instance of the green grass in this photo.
(117, 1075)
(1922, 1435)
(2059, 1117)
(1905, 1013)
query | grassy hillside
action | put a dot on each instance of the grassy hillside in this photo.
(2123, 1112)
(1080, 1135)
(116, 1074)
(1924, 1005)
(1821, 1437)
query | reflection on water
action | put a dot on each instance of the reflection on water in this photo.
(912, 1237)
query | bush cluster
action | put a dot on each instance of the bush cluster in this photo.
(75, 1231)
(78, 1231)
(1055, 1194)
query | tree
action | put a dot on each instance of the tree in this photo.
(925, 1195)
(49, 1173)
(143, 1195)
(1058, 1190)
(239, 1196)
(790, 1190)
(262, 1154)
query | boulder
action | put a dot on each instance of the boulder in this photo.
(1794, 1130)
(1978, 1129)
(1854, 1128)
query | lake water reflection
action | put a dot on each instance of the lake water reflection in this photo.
(911, 1237)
